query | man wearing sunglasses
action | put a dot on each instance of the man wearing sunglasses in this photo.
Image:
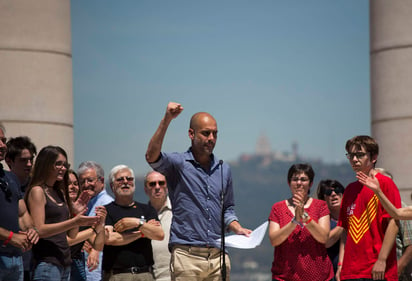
(197, 181)
(369, 252)
(155, 187)
(16, 226)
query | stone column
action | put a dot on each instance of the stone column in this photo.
(36, 71)
(391, 88)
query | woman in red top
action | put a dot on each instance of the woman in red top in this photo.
(298, 229)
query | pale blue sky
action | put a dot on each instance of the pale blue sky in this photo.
(292, 70)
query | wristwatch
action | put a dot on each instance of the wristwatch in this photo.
(305, 215)
(141, 222)
(296, 222)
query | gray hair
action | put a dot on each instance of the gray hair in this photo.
(384, 172)
(148, 174)
(116, 169)
(2, 128)
(86, 165)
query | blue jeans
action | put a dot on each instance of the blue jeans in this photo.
(11, 268)
(45, 271)
(78, 272)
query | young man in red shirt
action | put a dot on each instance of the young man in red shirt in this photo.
(369, 252)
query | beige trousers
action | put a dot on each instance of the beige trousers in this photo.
(197, 264)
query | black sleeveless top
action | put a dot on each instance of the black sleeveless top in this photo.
(54, 249)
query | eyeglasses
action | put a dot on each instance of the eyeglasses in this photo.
(122, 179)
(152, 184)
(89, 180)
(75, 183)
(61, 164)
(25, 160)
(3, 140)
(358, 155)
(337, 190)
(300, 179)
(5, 187)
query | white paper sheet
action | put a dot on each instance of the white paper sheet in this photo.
(243, 242)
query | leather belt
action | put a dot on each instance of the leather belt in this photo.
(133, 270)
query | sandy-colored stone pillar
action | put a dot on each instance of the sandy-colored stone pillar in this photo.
(36, 71)
(391, 88)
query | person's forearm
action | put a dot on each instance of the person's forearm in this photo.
(334, 236)
(154, 232)
(119, 239)
(387, 204)
(80, 237)
(155, 145)
(72, 232)
(404, 213)
(342, 242)
(4, 233)
(98, 242)
(279, 236)
(234, 226)
(388, 240)
(47, 230)
(319, 232)
(405, 259)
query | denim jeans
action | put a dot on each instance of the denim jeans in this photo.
(11, 268)
(50, 272)
(78, 270)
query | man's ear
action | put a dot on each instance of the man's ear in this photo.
(8, 161)
(191, 133)
(374, 158)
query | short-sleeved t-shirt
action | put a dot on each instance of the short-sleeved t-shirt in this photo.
(300, 256)
(137, 253)
(365, 220)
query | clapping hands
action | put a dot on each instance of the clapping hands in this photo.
(298, 202)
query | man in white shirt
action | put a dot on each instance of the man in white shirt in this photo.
(155, 186)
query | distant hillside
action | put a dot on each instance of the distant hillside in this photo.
(259, 182)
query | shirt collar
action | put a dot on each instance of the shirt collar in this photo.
(166, 206)
(189, 157)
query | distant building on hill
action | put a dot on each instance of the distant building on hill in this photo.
(264, 150)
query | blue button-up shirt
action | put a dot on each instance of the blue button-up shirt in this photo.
(101, 199)
(196, 198)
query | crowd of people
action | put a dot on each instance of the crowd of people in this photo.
(59, 223)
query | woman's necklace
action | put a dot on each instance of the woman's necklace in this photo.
(50, 192)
